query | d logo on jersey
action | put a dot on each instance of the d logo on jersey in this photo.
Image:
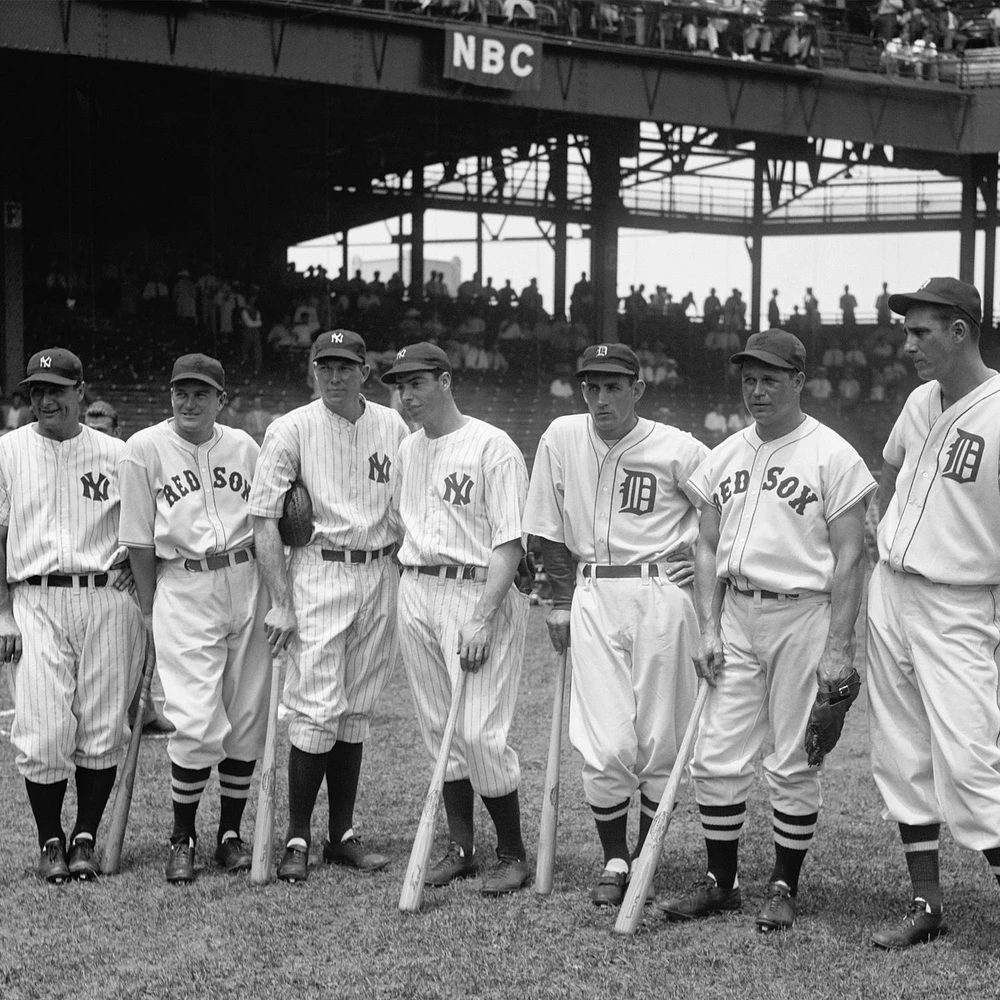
(378, 468)
(638, 492)
(965, 455)
(95, 489)
(458, 493)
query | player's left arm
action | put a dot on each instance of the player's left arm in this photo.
(475, 637)
(10, 634)
(847, 542)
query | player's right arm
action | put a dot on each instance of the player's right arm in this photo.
(876, 510)
(561, 574)
(280, 625)
(708, 594)
(142, 559)
(10, 634)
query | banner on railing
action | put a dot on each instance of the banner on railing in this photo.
(492, 59)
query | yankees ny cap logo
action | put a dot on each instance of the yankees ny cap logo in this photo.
(602, 351)
(401, 354)
(45, 361)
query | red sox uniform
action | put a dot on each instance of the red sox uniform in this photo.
(622, 513)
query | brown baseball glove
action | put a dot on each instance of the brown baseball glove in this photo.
(826, 720)
(296, 522)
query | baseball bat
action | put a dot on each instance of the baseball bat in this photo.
(263, 833)
(549, 821)
(416, 869)
(111, 863)
(645, 867)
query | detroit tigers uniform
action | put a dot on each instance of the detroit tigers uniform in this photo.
(621, 511)
(933, 619)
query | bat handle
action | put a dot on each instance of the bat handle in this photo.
(549, 821)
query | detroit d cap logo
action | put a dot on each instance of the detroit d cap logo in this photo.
(602, 351)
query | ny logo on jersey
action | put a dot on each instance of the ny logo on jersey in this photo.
(458, 493)
(965, 455)
(638, 491)
(378, 468)
(95, 489)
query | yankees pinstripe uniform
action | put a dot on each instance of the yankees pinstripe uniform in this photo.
(933, 619)
(59, 509)
(783, 505)
(342, 584)
(619, 508)
(461, 486)
(185, 519)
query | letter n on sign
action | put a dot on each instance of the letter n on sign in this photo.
(492, 59)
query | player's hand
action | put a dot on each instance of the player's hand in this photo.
(557, 623)
(475, 639)
(10, 638)
(280, 627)
(708, 659)
(147, 622)
(125, 581)
(834, 666)
(680, 570)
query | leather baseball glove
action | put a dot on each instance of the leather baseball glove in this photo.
(526, 570)
(296, 522)
(826, 720)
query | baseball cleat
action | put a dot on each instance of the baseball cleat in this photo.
(294, 866)
(703, 899)
(52, 863)
(180, 862)
(453, 865)
(507, 875)
(609, 889)
(83, 860)
(921, 924)
(351, 853)
(778, 913)
(233, 855)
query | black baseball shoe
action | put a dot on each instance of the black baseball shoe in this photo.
(83, 860)
(702, 900)
(609, 889)
(294, 865)
(452, 866)
(233, 855)
(508, 875)
(351, 853)
(778, 913)
(180, 862)
(921, 924)
(52, 862)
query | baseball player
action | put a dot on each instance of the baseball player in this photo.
(102, 416)
(607, 495)
(334, 605)
(185, 485)
(67, 624)
(460, 487)
(933, 620)
(778, 581)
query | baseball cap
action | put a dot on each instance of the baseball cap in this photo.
(55, 365)
(774, 347)
(420, 357)
(942, 292)
(201, 368)
(340, 344)
(615, 359)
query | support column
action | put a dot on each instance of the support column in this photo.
(12, 289)
(345, 251)
(605, 181)
(480, 165)
(967, 225)
(756, 242)
(989, 189)
(557, 184)
(417, 236)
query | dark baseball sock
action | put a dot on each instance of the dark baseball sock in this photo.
(305, 775)
(612, 828)
(46, 803)
(792, 836)
(992, 855)
(459, 807)
(186, 787)
(505, 811)
(647, 810)
(234, 786)
(343, 769)
(93, 789)
(722, 826)
(920, 845)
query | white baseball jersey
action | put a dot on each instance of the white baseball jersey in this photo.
(943, 521)
(460, 496)
(347, 468)
(185, 500)
(619, 505)
(776, 501)
(59, 500)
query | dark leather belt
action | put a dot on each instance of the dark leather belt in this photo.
(767, 595)
(220, 561)
(56, 580)
(449, 572)
(356, 555)
(618, 572)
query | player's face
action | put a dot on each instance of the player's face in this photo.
(422, 395)
(930, 342)
(102, 423)
(611, 400)
(339, 383)
(57, 409)
(772, 397)
(196, 406)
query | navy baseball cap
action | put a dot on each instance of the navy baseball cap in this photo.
(54, 365)
(422, 357)
(774, 347)
(942, 292)
(344, 344)
(612, 359)
(201, 368)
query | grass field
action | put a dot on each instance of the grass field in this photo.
(340, 934)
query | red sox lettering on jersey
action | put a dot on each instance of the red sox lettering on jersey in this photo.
(797, 494)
